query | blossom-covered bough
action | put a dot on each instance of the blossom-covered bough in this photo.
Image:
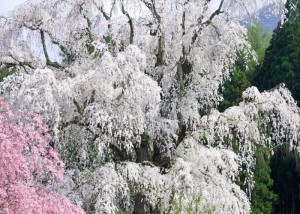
(124, 83)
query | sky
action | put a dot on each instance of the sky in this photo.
(7, 5)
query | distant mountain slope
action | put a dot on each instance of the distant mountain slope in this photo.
(265, 17)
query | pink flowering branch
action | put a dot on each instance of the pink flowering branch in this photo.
(28, 165)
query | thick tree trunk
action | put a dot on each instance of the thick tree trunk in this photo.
(142, 154)
(139, 204)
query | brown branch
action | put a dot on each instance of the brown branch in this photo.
(79, 109)
(112, 7)
(104, 14)
(76, 121)
(130, 23)
(17, 63)
(44, 46)
(3, 17)
(48, 61)
(147, 4)
(161, 40)
(54, 41)
(208, 21)
(89, 23)
(216, 13)
(152, 8)
(91, 100)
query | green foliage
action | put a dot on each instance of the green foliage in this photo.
(177, 205)
(5, 72)
(286, 174)
(90, 49)
(282, 62)
(107, 39)
(243, 177)
(70, 156)
(259, 41)
(235, 144)
(262, 197)
(245, 67)
(233, 89)
(123, 212)
(192, 208)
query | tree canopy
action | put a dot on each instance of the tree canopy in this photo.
(129, 89)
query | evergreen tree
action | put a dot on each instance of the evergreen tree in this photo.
(245, 68)
(282, 63)
(286, 175)
(262, 196)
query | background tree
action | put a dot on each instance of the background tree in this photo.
(282, 57)
(245, 67)
(285, 172)
(28, 165)
(263, 197)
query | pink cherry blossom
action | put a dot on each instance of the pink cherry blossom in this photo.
(28, 165)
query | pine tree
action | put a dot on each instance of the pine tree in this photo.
(286, 175)
(245, 67)
(282, 63)
(263, 196)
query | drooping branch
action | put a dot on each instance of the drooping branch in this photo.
(89, 100)
(161, 40)
(206, 2)
(76, 121)
(44, 46)
(34, 26)
(130, 22)
(183, 32)
(69, 56)
(112, 8)
(79, 109)
(216, 13)
(104, 13)
(16, 64)
(151, 6)
(147, 4)
(89, 23)
(3, 17)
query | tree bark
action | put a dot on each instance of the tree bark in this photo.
(139, 204)
(142, 154)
